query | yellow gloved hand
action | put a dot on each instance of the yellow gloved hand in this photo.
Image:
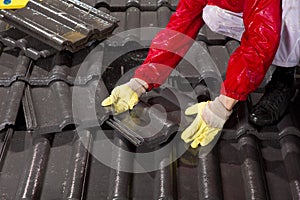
(210, 119)
(126, 96)
(13, 4)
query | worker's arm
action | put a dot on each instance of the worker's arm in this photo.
(248, 65)
(166, 50)
(246, 69)
(170, 44)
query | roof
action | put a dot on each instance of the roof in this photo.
(61, 24)
(44, 156)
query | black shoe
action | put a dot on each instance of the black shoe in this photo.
(273, 104)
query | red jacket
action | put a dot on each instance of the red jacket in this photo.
(247, 65)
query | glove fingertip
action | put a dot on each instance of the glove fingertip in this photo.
(210, 136)
(196, 108)
(191, 110)
(120, 108)
(195, 143)
(107, 102)
(185, 137)
(133, 100)
(206, 141)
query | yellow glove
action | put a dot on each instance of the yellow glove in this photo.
(211, 116)
(13, 4)
(126, 96)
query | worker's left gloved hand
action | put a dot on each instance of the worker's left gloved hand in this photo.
(211, 117)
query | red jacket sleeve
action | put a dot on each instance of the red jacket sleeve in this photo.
(249, 63)
(170, 44)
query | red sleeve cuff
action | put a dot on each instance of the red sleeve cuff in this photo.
(232, 94)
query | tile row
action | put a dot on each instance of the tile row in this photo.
(245, 169)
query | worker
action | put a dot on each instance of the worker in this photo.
(258, 25)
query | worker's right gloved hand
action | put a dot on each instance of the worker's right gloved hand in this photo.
(126, 96)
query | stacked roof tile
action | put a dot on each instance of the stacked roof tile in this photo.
(43, 155)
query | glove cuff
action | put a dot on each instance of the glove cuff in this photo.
(138, 85)
(215, 114)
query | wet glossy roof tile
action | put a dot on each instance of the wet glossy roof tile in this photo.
(12, 90)
(9, 72)
(61, 24)
(31, 47)
(162, 122)
(121, 5)
(135, 21)
(68, 67)
(53, 108)
(210, 37)
(10, 103)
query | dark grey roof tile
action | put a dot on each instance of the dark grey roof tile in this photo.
(13, 166)
(49, 109)
(210, 37)
(5, 139)
(77, 168)
(165, 181)
(149, 19)
(275, 171)
(238, 125)
(120, 181)
(97, 3)
(220, 56)
(10, 103)
(251, 169)
(8, 71)
(201, 65)
(97, 181)
(163, 16)
(133, 19)
(174, 3)
(290, 150)
(31, 183)
(187, 176)
(121, 24)
(230, 167)
(122, 5)
(209, 177)
(157, 130)
(118, 5)
(82, 23)
(31, 47)
(148, 4)
(73, 69)
(67, 166)
(138, 185)
(294, 111)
